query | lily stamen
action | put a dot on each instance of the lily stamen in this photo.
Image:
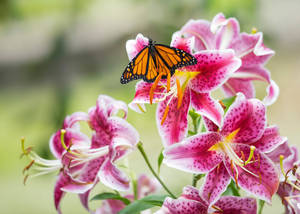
(243, 156)
(217, 208)
(288, 200)
(179, 93)
(28, 166)
(168, 81)
(286, 176)
(165, 115)
(153, 87)
(68, 149)
(252, 148)
(234, 169)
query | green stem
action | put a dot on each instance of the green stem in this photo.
(261, 206)
(141, 149)
(196, 178)
(195, 126)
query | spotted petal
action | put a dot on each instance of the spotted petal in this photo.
(142, 96)
(260, 177)
(236, 85)
(190, 201)
(200, 29)
(61, 181)
(175, 126)
(247, 116)
(236, 205)
(215, 67)
(182, 206)
(84, 199)
(112, 177)
(270, 140)
(216, 182)
(72, 136)
(206, 106)
(256, 72)
(193, 155)
(105, 108)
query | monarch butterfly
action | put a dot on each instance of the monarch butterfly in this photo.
(156, 60)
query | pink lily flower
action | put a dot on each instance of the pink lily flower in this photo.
(83, 161)
(189, 87)
(192, 201)
(228, 153)
(289, 187)
(145, 186)
(224, 33)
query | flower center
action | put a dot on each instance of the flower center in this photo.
(71, 158)
(174, 88)
(225, 146)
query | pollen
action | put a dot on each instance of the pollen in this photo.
(254, 30)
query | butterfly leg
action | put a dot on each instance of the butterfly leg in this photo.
(153, 87)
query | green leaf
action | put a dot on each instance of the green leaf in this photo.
(232, 190)
(228, 101)
(160, 160)
(191, 133)
(110, 195)
(261, 206)
(193, 114)
(143, 204)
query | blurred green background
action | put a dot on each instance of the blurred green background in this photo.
(57, 56)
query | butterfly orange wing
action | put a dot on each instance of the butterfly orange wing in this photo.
(173, 58)
(155, 60)
(137, 68)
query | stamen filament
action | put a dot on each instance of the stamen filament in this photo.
(62, 137)
(243, 156)
(140, 107)
(281, 157)
(179, 93)
(153, 87)
(252, 148)
(217, 208)
(165, 115)
(168, 81)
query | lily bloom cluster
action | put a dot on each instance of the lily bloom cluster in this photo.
(84, 161)
(231, 144)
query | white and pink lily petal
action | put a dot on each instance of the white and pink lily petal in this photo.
(72, 136)
(189, 85)
(134, 46)
(146, 185)
(223, 34)
(106, 107)
(191, 202)
(244, 123)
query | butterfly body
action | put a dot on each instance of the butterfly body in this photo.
(156, 60)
